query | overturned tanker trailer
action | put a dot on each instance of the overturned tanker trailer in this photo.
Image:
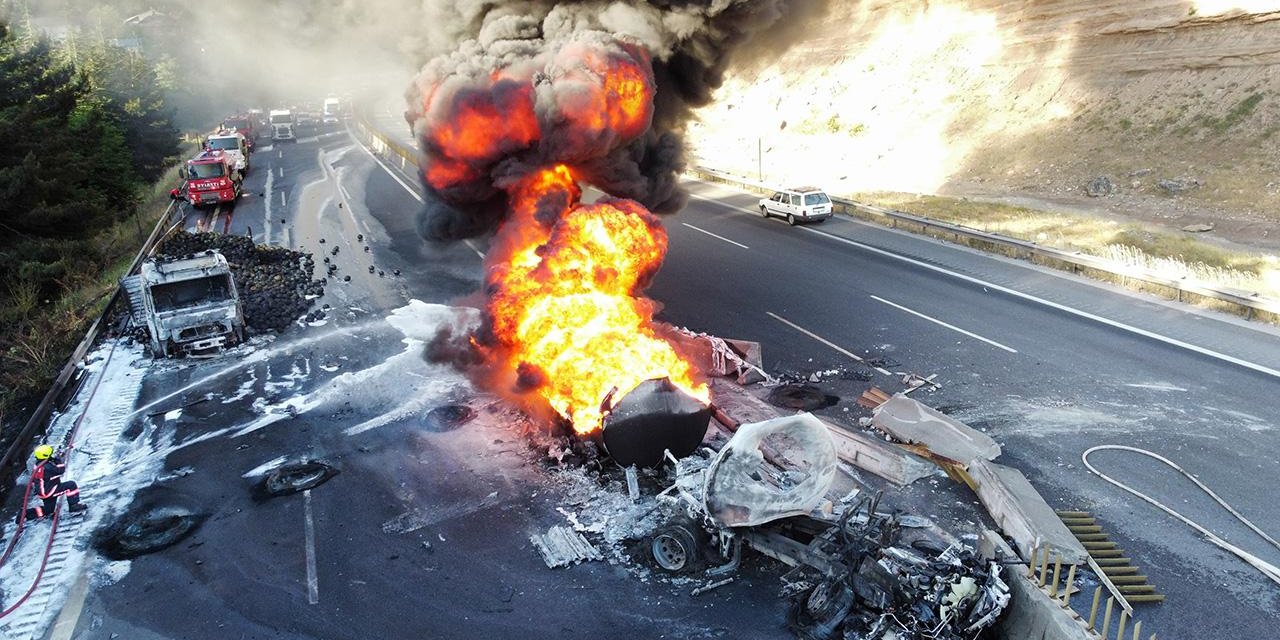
(654, 418)
(856, 572)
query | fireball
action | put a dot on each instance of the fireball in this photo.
(567, 320)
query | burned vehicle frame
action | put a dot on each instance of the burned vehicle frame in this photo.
(856, 572)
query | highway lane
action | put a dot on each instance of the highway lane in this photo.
(1046, 383)
(421, 534)
(244, 574)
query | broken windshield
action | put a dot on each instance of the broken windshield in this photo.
(190, 293)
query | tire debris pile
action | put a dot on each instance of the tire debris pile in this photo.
(275, 283)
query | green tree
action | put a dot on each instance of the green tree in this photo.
(136, 95)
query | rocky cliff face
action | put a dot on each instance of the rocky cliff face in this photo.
(1029, 100)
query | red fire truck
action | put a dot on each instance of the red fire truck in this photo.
(243, 125)
(210, 178)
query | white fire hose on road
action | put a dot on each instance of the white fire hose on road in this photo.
(1269, 570)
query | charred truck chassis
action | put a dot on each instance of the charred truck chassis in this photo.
(856, 573)
(188, 306)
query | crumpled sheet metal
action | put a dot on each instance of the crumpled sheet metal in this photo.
(769, 470)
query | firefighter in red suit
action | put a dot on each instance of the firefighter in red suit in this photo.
(47, 483)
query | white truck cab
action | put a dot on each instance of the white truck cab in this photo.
(235, 146)
(332, 111)
(282, 124)
(801, 204)
(188, 305)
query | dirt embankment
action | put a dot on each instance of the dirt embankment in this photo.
(1176, 103)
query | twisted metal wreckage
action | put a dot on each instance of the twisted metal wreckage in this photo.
(857, 573)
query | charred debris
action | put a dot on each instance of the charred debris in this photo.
(774, 488)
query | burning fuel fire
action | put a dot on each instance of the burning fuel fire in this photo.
(566, 319)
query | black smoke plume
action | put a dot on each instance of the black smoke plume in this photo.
(687, 46)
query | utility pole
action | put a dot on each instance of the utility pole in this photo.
(759, 159)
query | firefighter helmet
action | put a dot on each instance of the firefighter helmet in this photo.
(44, 452)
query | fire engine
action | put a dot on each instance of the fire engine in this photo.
(234, 145)
(243, 124)
(210, 178)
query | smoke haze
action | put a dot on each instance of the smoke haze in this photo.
(687, 48)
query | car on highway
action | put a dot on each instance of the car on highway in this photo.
(801, 204)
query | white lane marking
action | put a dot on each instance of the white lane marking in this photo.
(281, 154)
(284, 199)
(825, 341)
(410, 189)
(391, 173)
(949, 326)
(281, 172)
(1155, 386)
(345, 195)
(1060, 307)
(313, 583)
(266, 205)
(1030, 298)
(715, 235)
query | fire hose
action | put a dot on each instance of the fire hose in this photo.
(1269, 570)
(53, 529)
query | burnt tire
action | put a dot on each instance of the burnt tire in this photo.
(677, 547)
(800, 397)
(447, 417)
(144, 531)
(293, 478)
(820, 612)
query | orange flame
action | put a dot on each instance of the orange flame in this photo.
(484, 126)
(622, 102)
(566, 316)
(567, 302)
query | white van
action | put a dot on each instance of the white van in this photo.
(802, 204)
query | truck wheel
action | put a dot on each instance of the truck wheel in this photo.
(675, 548)
(764, 212)
(791, 219)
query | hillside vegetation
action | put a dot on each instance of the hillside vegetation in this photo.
(1170, 108)
(86, 132)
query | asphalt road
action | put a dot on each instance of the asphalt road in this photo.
(1008, 342)
(420, 534)
(1025, 365)
(1048, 363)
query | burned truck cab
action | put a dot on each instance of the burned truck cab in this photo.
(189, 306)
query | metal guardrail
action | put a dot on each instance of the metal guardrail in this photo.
(1250, 302)
(21, 444)
(382, 144)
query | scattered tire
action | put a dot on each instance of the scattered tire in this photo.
(294, 477)
(676, 548)
(802, 397)
(447, 417)
(147, 530)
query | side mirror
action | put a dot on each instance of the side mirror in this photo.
(182, 172)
